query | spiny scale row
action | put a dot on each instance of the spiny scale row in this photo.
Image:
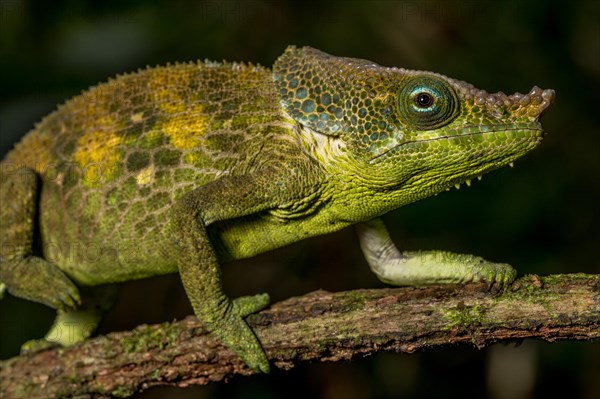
(468, 181)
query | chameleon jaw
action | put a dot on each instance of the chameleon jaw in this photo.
(533, 129)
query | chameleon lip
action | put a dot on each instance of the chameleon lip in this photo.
(534, 127)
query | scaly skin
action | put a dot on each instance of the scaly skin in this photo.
(183, 167)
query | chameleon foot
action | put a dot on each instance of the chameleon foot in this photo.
(498, 276)
(247, 305)
(40, 281)
(235, 333)
(73, 326)
(37, 345)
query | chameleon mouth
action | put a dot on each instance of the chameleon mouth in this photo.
(471, 135)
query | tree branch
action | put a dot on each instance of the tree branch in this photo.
(319, 326)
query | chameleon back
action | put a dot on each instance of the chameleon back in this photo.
(114, 159)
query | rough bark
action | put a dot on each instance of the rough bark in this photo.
(319, 326)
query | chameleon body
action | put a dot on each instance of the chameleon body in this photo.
(183, 167)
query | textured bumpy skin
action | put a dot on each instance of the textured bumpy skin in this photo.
(183, 167)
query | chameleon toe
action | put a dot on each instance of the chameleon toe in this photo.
(247, 305)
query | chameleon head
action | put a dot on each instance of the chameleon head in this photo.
(410, 131)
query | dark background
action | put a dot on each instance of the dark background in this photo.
(542, 216)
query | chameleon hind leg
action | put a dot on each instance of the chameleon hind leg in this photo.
(75, 325)
(420, 268)
(25, 275)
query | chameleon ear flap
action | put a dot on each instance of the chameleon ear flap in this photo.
(311, 86)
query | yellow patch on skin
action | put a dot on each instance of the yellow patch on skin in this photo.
(137, 118)
(145, 175)
(184, 133)
(41, 157)
(97, 155)
(181, 121)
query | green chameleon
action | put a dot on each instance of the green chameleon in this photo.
(184, 167)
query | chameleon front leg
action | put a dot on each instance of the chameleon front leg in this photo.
(425, 267)
(76, 325)
(226, 198)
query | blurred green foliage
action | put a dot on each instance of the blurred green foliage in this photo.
(542, 216)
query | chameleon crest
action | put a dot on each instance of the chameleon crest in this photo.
(178, 169)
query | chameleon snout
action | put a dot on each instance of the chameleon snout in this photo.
(530, 105)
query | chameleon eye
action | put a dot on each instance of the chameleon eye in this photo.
(426, 103)
(423, 100)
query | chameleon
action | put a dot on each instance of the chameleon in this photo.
(184, 167)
